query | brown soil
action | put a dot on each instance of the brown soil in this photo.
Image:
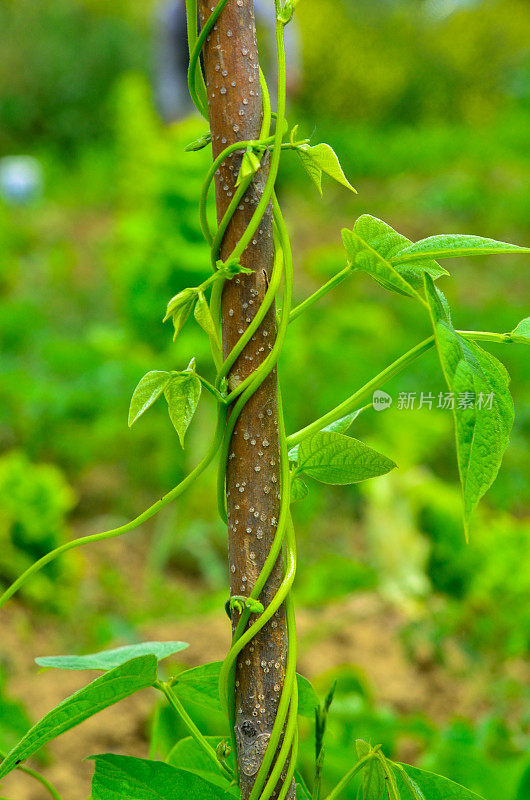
(364, 631)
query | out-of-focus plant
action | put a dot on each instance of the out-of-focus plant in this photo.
(34, 502)
(405, 61)
(60, 59)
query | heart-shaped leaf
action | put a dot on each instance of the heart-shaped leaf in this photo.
(334, 458)
(147, 392)
(182, 393)
(483, 407)
(454, 245)
(128, 778)
(372, 245)
(108, 659)
(105, 691)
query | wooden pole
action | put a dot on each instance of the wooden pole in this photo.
(253, 469)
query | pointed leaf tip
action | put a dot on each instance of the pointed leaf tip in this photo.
(182, 394)
(454, 245)
(334, 458)
(108, 659)
(481, 403)
(146, 393)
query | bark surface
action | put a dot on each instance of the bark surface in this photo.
(253, 469)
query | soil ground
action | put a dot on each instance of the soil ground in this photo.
(364, 631)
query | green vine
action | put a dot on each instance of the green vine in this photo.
(398, 265)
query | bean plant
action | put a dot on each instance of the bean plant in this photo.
(252, 761)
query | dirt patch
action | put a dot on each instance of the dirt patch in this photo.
(364, 631)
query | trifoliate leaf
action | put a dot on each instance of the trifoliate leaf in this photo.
(182, 394)
(334, 458)
(148, 390)
(483, 407)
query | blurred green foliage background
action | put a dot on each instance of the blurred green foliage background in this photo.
(427, 103)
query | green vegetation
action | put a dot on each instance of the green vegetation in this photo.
(84, 280)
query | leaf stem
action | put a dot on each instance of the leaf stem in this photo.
(38, 777)
(361, 394)
(487, 336)
(350, 774)
(379, 380)
(201, 740)
(316, 296)
(133, 524)
(211, 388)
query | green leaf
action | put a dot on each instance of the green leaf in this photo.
(454, 245)
(521, 333)
(322, 158)
(372, 245)
(314, 172)
(302, 792)
(250, 164)
(374, 781)
(339, 426)
(105, 691)
(128, 778)
(373, 774)
(182, 393)
(299, 489)
(148, 390)
(334, 458)
(179, 308)
(198, 144)
(203, 316)
(483, 407)
(307, 698)
(188, 755)
(200, 685)
(108, 659)
(417, 784)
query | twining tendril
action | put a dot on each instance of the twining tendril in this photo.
(277, 767)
